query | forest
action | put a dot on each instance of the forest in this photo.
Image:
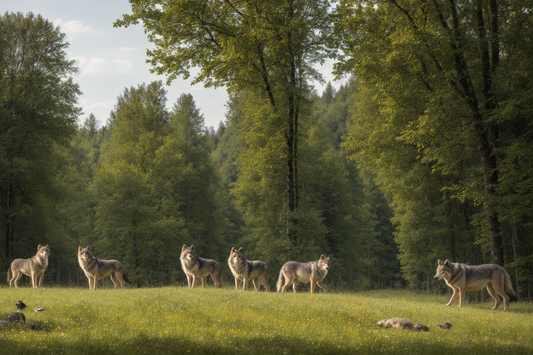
(425, 152)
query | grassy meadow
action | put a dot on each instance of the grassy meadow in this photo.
(225, 321)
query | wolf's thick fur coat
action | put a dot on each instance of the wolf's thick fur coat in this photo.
(462, 277)
(196, 267)
(33, 267)
(96, 269)
(245, 270)
(292, 272)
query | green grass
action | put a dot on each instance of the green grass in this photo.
(225, 321)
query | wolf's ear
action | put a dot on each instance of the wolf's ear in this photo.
(232, 249)
(79, 248)
(192, 247)
(322, 256)
(88, 248)
(39, 247)
(440, 262)
(447, 262)
(240, 249)
(183, 247)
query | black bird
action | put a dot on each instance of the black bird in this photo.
(21, 305)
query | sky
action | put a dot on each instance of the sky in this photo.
(111, 59)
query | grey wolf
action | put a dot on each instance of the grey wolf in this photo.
(96, 269)
(246, 270)
(462, 277)
(396, 323)
(419, 327)
(293, 272)
(33, 267)
(196, 267)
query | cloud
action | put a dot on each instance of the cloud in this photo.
(74, 28)
(101, 65)
(100, 109)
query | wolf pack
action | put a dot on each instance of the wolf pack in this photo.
(460, 277)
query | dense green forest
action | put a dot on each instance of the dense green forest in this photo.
(424, 153)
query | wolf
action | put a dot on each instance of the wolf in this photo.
(96, 269)
(396, 323)
(246, 270)
(33, 267)
(196, 267)
(293, 272)
(462, 277)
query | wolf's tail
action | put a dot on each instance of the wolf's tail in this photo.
(513, 297)
(126, 278)
(9, 275)
(281, 280)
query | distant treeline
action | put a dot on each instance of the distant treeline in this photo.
(425, 153)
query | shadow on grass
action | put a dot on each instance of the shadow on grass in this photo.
(256, 345)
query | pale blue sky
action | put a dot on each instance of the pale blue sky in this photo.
(111, 59)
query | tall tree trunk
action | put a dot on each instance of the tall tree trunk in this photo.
(487, 133)
(291, 190)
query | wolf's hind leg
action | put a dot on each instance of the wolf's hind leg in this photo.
(256, 283)
(295, 284)
(494, 295)
(288, 282)
(16, 278)
(264, 281)
(116, 280)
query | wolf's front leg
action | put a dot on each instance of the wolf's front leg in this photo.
(33, 279)
(194, 281)
(91, 282)
(322, 286)
(454, 296)
(237, 283)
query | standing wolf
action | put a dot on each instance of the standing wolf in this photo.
(246, 270)
(96, 269)
(33, 267)
(462, 277)
(313, 271)
(196, 267)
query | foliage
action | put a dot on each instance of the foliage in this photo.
(267, 49)
(430, 121)
(37, 120)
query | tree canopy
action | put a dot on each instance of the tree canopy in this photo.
(38, 112)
